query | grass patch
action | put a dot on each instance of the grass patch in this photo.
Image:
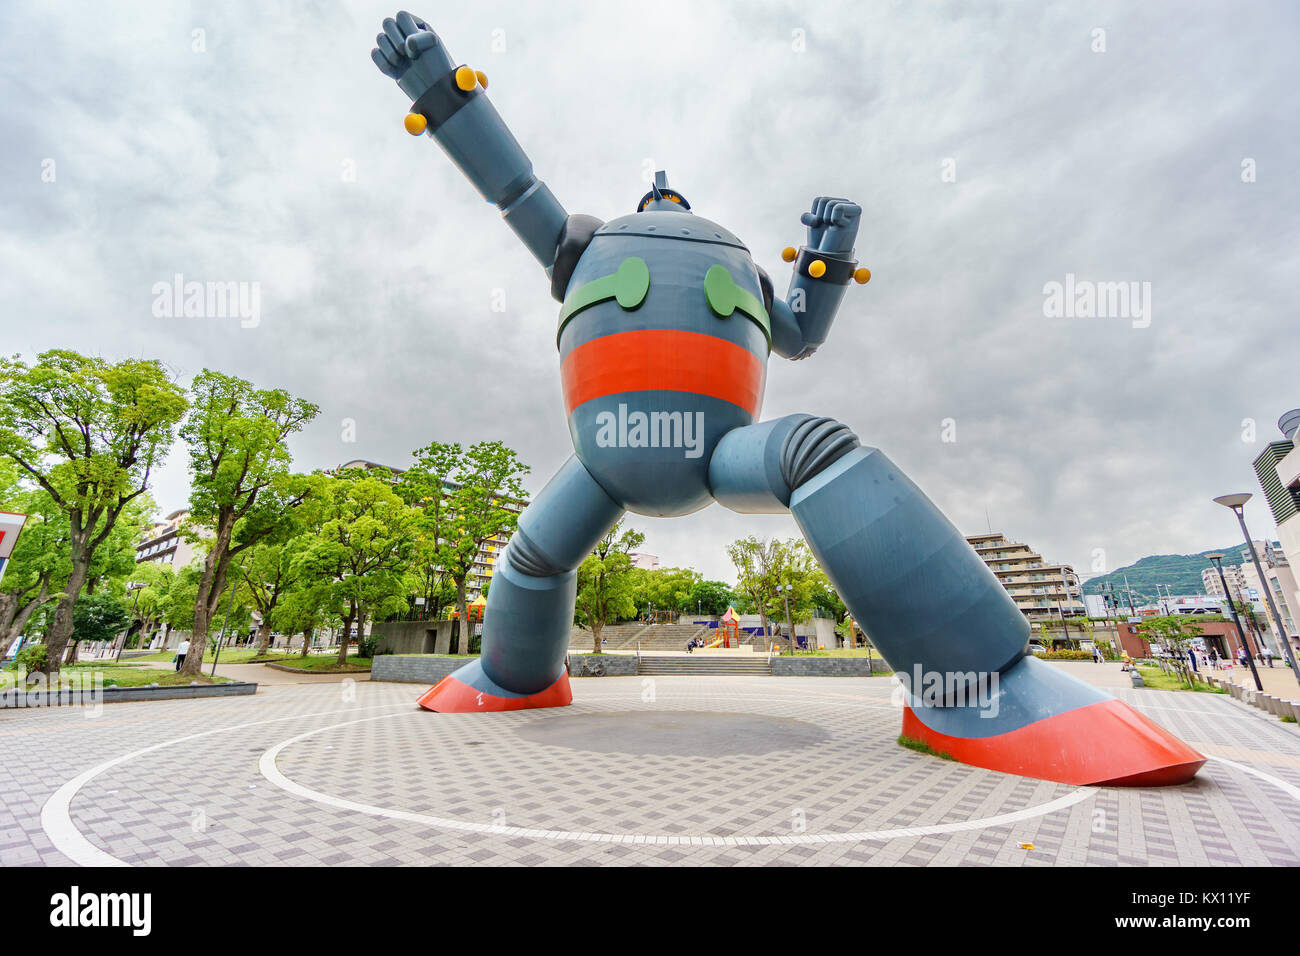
(840, 652)
(241, 656)
(1156, 679)
(120, 676)
(1287, 719)
(921, 747)
(325, 664)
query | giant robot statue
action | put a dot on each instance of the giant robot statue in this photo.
(665, 327)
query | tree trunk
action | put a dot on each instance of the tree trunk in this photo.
(306, 641)
(56, 641)
(211, 585)
(462, 632)
(8, 611)
(347, 631)
(596, 628)
(263, 637)
(19, 617)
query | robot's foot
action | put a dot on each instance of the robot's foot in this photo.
(469, 691)
(1040, 722)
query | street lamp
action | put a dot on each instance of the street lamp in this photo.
(137, 587)
(789, 623)
(1217, 558)
(1238, 505)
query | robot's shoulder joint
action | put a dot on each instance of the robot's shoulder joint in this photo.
(574, 239)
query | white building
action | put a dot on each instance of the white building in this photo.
(163, 543)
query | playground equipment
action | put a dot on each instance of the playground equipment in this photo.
(728, 630)
(666, 324)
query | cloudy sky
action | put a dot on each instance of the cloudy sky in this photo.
(994, 150)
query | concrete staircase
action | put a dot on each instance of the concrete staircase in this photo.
(669, 637)
(616, 637)
(742, 665)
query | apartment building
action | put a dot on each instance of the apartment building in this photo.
(163, 543)
(1279, 581)
(1278, 470)
(1041, 589)
(1231, 573)
(485, 561)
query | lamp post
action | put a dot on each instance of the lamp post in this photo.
(1238, 505)
(137, 587)
(222, 636)
(789, 623)
(1217, 558)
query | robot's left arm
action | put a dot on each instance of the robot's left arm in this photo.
(823, 269)
(450, 103)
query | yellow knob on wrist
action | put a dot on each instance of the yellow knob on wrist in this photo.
(465, 79)
(482, 78)
(789, 253)
(862, 276)
(816, 268)
(415, 123)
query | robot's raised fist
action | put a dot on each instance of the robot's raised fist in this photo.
(411, 53)
(832, 224)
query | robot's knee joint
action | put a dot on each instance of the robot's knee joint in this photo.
(812, 446)
(527, 558)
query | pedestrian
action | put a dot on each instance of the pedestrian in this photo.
(1191, 657)
(1268, 656)
(182, 649)
(1241, 656)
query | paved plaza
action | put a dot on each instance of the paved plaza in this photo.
(695, 770)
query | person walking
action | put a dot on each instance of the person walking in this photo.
(181, 650)
(1267, 655)
(1191, 657)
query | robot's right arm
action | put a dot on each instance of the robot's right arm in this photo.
(450, 104)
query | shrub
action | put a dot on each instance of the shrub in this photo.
(367, 645)
(31, 657)
(1068, 655)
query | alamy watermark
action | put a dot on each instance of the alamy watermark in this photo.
(76, 689)
(684, 430)
(1084, 299)
(179, 299)
(976, 689)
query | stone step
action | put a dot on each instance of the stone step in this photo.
(689, 664)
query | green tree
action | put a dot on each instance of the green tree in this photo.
(266, 574)
(666, 588)
(825, 599)
(154, 581)
(763, 567)
(99, 617)
(465, 498)
(1175, 632)
(90, 433)
(39, 564)
(710, 597)
(241, 490)
(606, 581)
(360, 550)
(303, 609)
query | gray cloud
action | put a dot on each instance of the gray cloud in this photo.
(1072, 434)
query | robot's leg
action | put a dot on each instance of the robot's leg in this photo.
(938, 614)
(530, 606)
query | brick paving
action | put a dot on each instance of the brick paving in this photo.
(700, 770)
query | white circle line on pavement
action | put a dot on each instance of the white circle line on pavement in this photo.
(56, 815)
(1289, 789)
(267, 764)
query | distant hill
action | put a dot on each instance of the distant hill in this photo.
(1181, 572)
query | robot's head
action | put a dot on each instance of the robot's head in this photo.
(660, 197)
